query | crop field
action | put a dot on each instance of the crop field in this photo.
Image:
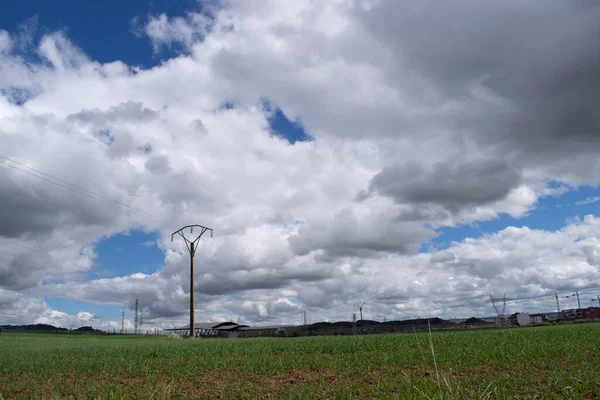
(548, 362)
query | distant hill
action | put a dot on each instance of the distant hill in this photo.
(475, 321)
(44, 328)
(88, 329)
(33, 328)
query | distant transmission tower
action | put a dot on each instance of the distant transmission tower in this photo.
(136, 320)
(122, 321)
(305, 326)
(501, 317)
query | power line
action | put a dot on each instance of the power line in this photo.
(103, 199)
(42, 253)
(53, 205)
(124, 207)
(78, 189)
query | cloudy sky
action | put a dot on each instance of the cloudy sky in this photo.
(415, 155)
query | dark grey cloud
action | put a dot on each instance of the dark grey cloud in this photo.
(453, 184)
(19, 275)
(348, 235)
(158, 165)
(441, 257)
(526, 73)
(39, 210)
(130, 111)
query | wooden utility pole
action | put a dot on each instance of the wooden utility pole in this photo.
(360, 306)
(192, 320)
(191, 246)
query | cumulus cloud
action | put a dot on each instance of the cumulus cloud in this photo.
(165, 31)
(453, 184)
(436, 115)
(588, 200)
(5, 42)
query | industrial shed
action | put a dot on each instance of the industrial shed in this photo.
(270, 330)
(211, 329)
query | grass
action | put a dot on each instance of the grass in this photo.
(547, 362)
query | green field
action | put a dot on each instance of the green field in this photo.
(548, 362)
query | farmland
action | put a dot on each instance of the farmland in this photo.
(550, 362)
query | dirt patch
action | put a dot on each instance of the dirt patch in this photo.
(175, 336)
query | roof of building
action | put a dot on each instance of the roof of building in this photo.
(267, 327)
(221, 326)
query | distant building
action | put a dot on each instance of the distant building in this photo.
(573, 313)
(211, 329)
(271, 330)
(234, 330)
(590, 313)
(537, 318)
(520, 319)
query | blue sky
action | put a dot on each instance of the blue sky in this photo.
(551, 213)
(372, 125)
(127, 254)
(119, 255)
(105, 34)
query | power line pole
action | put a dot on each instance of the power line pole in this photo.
(122, 321)
(136, 320)
(557, 305)
(360, 306)
(305, 326)
(191, 246)
(578, 302)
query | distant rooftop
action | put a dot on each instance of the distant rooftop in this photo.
(221, 326)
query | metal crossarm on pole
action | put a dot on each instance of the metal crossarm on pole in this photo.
(192, 246)
(360, 306)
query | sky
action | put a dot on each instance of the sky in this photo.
(418, 156)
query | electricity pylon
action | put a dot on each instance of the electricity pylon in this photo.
(191, 246)
(136, 321)
(360, 305)
(501, 316)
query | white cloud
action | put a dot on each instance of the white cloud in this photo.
(588, 200)
(165, 31)
(407, 138)
(5, 42)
